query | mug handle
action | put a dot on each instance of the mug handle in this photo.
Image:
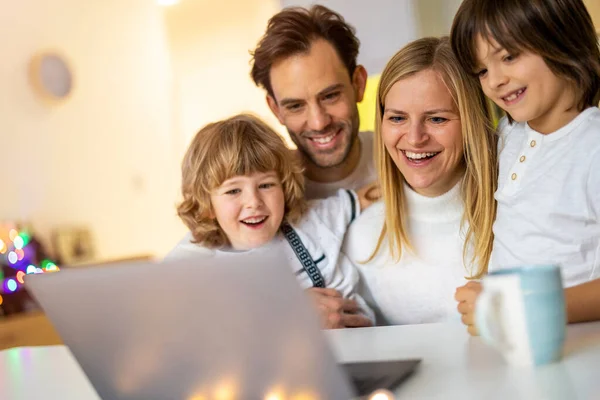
(483, 309)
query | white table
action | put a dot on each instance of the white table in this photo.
(454, 366)
(457, 366)
(50, 372)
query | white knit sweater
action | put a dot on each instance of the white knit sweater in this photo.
(420, 287)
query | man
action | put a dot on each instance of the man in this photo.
(306, 62)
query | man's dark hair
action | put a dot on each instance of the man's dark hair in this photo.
(293, 30)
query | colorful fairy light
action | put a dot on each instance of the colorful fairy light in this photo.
(1, 300)
(19, 251)
(11, 285)
(18, 242)
(20, 276)
(26, 238)
(52, 268)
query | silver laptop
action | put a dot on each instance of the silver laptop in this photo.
(237, 329)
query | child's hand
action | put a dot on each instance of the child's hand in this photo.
(466, 297)
(335, 311)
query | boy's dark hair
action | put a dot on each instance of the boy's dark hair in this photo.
(293, 31)
(560, 31)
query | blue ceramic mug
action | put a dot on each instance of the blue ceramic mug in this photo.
(521, 312)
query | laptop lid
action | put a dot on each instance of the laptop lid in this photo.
(236, 327)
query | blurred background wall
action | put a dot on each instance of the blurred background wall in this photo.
(384, 26)
(105, 157)
(210, 43)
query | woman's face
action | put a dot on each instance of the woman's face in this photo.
(422, 133)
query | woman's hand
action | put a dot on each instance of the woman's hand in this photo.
(466, 297)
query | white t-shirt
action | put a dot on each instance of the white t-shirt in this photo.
(420, 287)
(549, 198)
(321, 231)
(364, 173)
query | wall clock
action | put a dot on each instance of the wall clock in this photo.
(51, 76)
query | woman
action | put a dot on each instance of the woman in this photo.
(435, 152)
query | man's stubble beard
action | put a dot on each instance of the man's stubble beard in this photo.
(312, 158)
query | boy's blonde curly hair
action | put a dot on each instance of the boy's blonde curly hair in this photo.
(240, 145)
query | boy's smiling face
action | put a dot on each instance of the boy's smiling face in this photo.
(249, 209)
(524, 86)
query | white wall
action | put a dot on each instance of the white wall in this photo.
(435, 16)
(382, 26)
(210, 43)
(385, 26)
(105, 158)
(593, 7)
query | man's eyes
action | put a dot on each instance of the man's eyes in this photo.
(331, 96)
(293, 107)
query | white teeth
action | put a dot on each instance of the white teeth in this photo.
(514, 95)
(418, 156)
(254, 220)
(325, 139)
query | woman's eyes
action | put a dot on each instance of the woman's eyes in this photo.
(396, 118)
(435, 120)
(233, 191)
(438, 120)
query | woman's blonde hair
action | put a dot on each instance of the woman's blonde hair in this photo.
(479, 144)
(240, 145)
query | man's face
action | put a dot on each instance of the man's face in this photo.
(315, 98)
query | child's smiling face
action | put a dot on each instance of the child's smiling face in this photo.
(249, 209)
(524, 86)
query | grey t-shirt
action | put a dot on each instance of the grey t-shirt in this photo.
(363, 174)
